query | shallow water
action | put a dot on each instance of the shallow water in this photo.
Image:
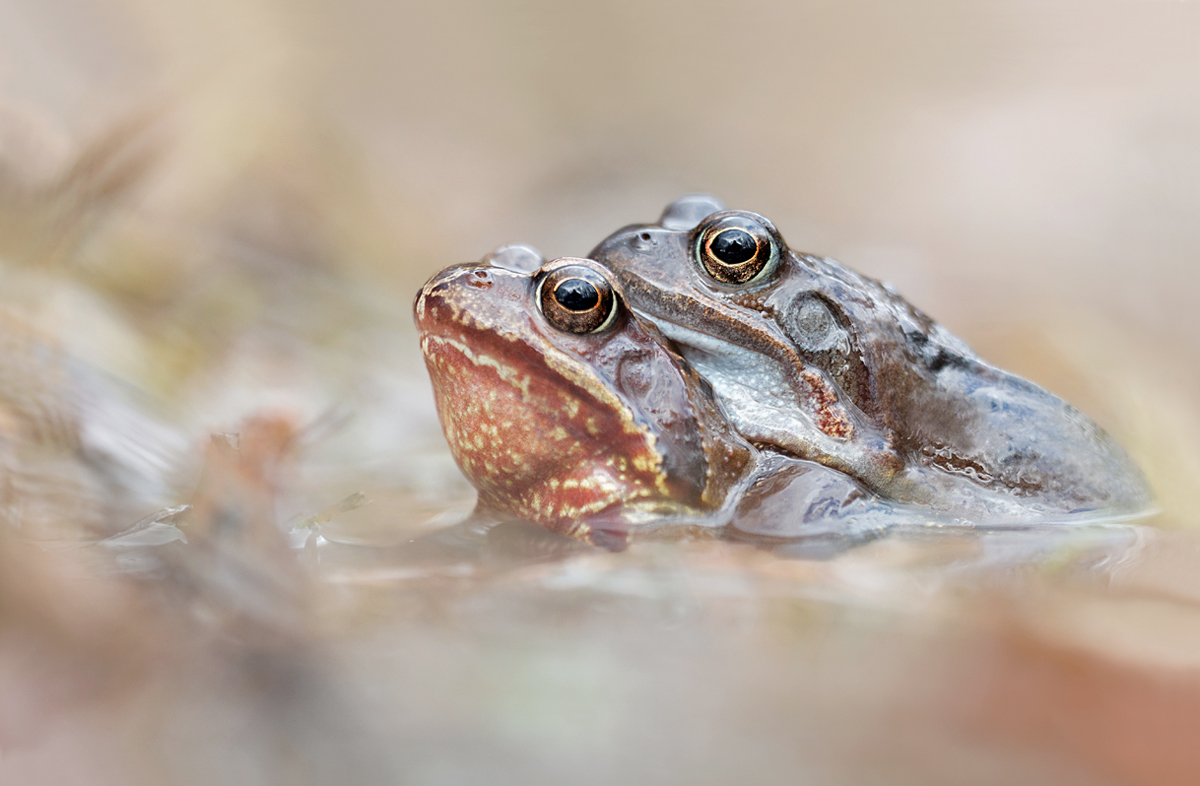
(926, 658)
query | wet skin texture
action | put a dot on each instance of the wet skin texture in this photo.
(810, 359)
(587, 422)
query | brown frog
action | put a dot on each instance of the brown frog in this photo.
(815, 361)
(566, 409)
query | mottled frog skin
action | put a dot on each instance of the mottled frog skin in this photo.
(810, 359)
(566, 409)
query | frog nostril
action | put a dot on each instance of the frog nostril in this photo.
(642, 241)
(480, 279)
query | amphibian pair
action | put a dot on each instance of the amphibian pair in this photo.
(698, 373)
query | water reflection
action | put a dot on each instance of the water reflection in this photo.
(479, 542)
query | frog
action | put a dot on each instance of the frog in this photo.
(566, 409)
(813, 360)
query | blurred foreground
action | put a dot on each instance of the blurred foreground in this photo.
(216, 435)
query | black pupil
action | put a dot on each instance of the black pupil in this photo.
(575, 294)
(734, 246)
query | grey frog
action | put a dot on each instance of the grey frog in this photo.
(813, 360)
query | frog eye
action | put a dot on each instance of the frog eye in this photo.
(735, 249)
(577, 299)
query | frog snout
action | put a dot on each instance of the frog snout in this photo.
(450, 284)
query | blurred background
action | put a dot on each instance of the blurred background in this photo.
(213, 220)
